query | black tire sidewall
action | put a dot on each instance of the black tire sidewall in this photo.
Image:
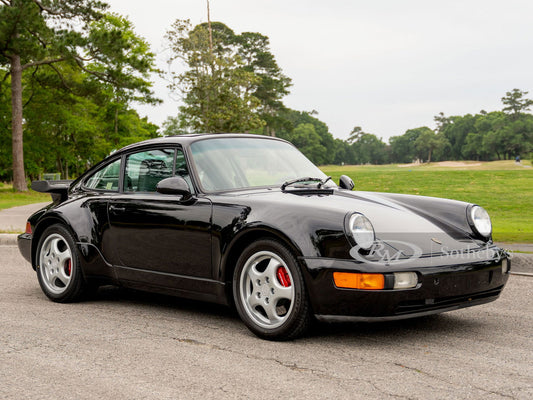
(299, 317)
(75, 287)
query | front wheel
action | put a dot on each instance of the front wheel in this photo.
(58, 266)
(269, 291)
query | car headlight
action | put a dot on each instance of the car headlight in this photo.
(480, 221)
(361, 230)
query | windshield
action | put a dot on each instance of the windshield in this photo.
(235, 163)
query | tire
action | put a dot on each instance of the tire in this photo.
(58, 266)
(269, 291)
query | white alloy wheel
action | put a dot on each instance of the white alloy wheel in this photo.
(55, 263)
(266, 289)
(269, 291)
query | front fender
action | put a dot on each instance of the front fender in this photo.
(318, 234)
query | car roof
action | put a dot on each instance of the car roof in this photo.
(190, 138)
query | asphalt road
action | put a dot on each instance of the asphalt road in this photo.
(129, 345)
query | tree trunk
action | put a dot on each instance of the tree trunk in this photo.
(19, 177)
(116, 123)
(429, 155)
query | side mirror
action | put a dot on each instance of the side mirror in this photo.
(345, 182)
(175, 185)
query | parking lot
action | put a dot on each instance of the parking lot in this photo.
(130, 345)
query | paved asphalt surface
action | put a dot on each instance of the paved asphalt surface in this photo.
(130, 345)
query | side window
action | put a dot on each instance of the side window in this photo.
(144, 170)
(105, 178)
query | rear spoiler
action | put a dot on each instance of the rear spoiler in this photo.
(57, 189)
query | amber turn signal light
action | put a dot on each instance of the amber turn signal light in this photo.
(351, 280)
(28, 227)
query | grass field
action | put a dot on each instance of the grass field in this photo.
(8, 198)
(504, 189)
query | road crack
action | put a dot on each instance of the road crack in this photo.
(451, 383)
(290, 365)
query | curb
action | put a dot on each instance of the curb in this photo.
(521, 262)
(8, 239)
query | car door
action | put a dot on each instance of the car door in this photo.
(158, 239)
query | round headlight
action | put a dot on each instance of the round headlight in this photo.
(481, 220)
(361, 230)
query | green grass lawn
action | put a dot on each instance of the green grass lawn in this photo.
(9, 198)
(502, 188)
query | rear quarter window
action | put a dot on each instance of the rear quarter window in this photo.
(106, 178)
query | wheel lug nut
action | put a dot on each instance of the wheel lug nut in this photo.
(272, 290)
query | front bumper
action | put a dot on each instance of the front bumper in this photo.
(444, 284)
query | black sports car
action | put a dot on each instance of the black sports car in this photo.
(248, 220)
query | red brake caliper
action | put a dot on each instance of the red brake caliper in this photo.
(69, 267)
(283, 277)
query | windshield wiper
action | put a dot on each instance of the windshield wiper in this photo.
(320, 181)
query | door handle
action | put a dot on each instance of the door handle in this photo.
(116, 208)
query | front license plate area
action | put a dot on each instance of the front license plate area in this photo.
(454, 283)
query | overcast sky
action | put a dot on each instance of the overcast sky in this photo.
(384, 65)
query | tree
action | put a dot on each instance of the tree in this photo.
(355, 134)
(369, 149)
(218, 92)
(28, 39)
(485, 141)
(38, 34)
(272, 84)
(518, 137)
(428, 141)
(442, 121)
(307, 140)
(5, 129)
(342, 153)
(254, 83)
(456, 132)
(76, 120)
(289, 119)
(473, 147)
(171, 127)
(403, 148)
(124, 63)
(483, 136)
(516, 103)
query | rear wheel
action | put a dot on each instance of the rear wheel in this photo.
(269, 291)
(58, 266)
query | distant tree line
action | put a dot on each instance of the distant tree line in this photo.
(70, 72)
(486, 136)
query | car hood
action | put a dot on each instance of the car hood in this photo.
(404, 222)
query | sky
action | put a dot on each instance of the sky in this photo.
(385, 65)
